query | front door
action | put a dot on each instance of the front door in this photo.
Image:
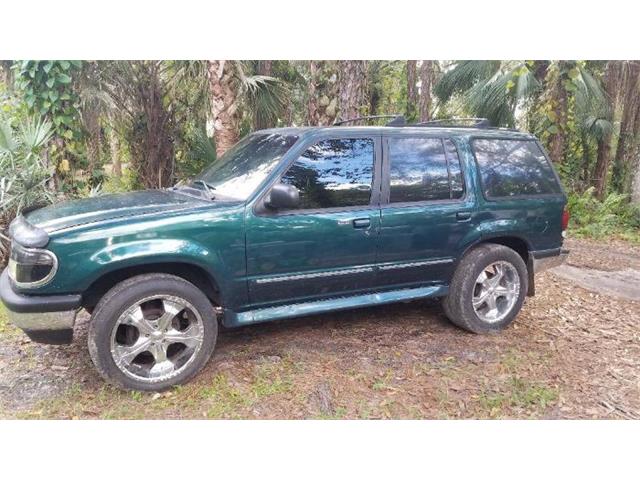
(426, 212)
(326, 246)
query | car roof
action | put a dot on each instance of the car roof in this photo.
(406, 130)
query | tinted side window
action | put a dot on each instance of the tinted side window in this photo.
(514, 167)
(420, 170)
(334, 173)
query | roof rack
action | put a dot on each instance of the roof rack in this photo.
(398, 120)
(470, 122)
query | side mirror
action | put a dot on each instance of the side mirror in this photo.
(282, 197)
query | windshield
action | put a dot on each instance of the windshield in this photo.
(238, 172)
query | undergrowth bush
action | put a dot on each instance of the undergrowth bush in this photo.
(613, 216)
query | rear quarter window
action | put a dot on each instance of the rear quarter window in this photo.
(512, 168)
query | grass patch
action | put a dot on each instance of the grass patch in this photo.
(272, 379)
(521, 394)
(225, 400)
(382, 383)
(5, 326)
(518, 394)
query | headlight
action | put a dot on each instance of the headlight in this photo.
(31, 267)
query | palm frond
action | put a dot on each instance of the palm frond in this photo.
(462, 76)
(7, 142)
(598, 127)
(490, 89)
(267, 96)
(34, 133)
(203, 147)
(591, 98)
(527, 84)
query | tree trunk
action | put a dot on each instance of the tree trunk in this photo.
(426, 83)
(224, 104)
(322, 105)
(604, 144)
(151, 141)
(633, 162)
(628, 126)
(312, 103)
(265, 67)
(635, 184)
(412, 90)
(114, 148)
(352, 83)
(158, 166)
(91, 118)
(559, 105)
(6, 74)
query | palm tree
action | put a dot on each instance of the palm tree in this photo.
(427, 76)
(230, 88)
(352, 88)
(322, 101)
(144, 96)
(600, 125)
(629, 125)
(489, 88)
(412, 90)
(497, 89)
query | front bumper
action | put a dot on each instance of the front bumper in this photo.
(544, 260)
(45, 319)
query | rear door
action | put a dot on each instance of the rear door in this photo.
(427, 210)
(521, 191)
(327, 246)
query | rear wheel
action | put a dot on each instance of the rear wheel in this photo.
(487, 290)
(151, 332)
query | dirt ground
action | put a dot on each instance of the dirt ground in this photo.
(572, 353)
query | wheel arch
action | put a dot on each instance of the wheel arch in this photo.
(515, 242)
(190, 272)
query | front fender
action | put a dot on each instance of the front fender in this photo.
(165, 251)
(153, 251)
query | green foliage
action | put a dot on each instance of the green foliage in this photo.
(125, 182)
(488, 88)
(25, 176)
(387, 87)
(267, 98)
(614, 216)
(48, 91)
(197, 150)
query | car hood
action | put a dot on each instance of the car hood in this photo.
(106, 207)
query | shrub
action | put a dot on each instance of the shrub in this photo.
(614, 216)
(25, 178)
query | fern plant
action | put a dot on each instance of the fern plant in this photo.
(614, 216)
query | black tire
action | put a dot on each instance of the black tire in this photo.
(458, 305)
(126, 294)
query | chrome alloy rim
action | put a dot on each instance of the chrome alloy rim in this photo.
(157, 338)
(496, 291)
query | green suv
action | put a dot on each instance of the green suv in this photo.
(291, 222)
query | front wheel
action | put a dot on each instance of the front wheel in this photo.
(151, 332)
(487, 290)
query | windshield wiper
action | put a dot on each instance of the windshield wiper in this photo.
(208, 188)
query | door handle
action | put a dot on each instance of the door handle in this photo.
(361, 223)
(463, 216)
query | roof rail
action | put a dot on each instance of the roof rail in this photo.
(398, 120)
(470, 122)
